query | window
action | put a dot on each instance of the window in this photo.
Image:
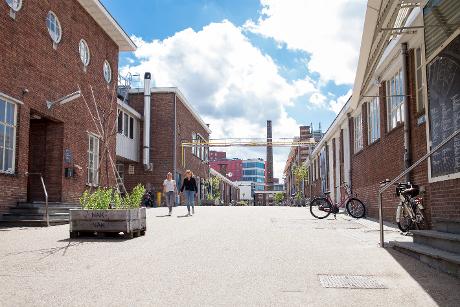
(120, 122)
(93, 160)
(194, 140)
(394, 88)
(419, 81)
(373, 120)
(121, 171)
(54, 27)
(84, 52)
(131, 128)
(7, 136)
(358, 132)
(15, 5)
(107, 70)
(125, 124)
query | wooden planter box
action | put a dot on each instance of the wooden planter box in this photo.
(131, 222)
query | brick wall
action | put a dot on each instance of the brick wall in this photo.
(29, 61)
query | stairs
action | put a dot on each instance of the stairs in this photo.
(33, 214)
(439, 248)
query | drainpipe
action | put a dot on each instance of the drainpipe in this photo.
(175, 135)
(407, 151)
(147, 110)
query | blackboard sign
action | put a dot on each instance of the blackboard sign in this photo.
(444, 107)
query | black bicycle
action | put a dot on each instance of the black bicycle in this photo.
(322, 207)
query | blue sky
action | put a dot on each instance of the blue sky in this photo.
(242, 62)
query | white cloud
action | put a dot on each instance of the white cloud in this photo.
(231, 83)
(317, 99)
(329, 30)
(336, 105)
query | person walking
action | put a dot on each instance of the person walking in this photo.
(169, 191)
(190, 188)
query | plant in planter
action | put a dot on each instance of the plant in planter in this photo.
(105, 211)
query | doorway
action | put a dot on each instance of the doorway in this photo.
(45, 157)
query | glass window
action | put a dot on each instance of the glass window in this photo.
(7, 136)
(419, 81)
(194, 151)
(120, 122)
(121, 171)
(84, 52)
(93, 160)
(54, 27)
(15, 5)
(395, 100)
(107, 70)
(373, 120)
(131, 128)
(125, 124)
(358, 132)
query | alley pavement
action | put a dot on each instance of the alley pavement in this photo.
(221, 256)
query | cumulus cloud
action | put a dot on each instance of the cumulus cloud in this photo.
(232, 84)
(336, 105)
(329, 30)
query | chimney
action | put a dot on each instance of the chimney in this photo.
(269, 172)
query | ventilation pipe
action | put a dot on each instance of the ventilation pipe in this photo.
(147, 109)
(407, 151)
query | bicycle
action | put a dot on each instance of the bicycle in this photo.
(322, 207)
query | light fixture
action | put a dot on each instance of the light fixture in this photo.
(64, 99)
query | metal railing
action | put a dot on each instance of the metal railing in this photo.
(390, 183)
(47, 217)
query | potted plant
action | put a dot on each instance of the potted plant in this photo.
(106, 212)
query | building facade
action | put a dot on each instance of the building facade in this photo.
(254, 171)
(231, 168)
(400, 110)
(217, 155)
(54, 55)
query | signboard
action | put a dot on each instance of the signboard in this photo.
(443, 74)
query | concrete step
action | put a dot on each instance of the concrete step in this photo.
(441, 260)
(22, 211)
(31, 223)
(447, 225)
(51, 205)
(449, 242)
(34, 217)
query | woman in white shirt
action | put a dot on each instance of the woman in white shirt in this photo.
(169, 189)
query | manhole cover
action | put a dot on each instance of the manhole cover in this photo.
(350, 282)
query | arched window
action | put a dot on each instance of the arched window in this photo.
(15, 5)
(54, 27)
(107, 71)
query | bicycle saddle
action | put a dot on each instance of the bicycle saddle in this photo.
(327, 192)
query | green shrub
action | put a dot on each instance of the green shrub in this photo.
(107, 198)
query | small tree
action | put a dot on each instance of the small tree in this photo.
(278, 198)
(213, 184)
(300, 174)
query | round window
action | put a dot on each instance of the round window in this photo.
(54, 27)
(84, 52)
(15, 5)
(107, 72)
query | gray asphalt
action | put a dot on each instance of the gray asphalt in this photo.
(222, 256)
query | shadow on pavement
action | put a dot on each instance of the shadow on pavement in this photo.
(181, 216)
(444, 289)
(167, 215)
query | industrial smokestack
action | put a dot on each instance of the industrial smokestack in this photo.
(147, 109)
(269, 175)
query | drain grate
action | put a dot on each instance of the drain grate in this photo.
(350, 282)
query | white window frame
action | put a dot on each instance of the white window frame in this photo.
(419, 80)
(56, 37)
(3, 147)
(121, 171)
(107, 71)
(395, 100)
(126, 130)
(94, 155)
(373, 120)
(358, 132)
(15, 5)
(194, 140)
(83, 50)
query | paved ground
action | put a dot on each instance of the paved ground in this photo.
(224, 256)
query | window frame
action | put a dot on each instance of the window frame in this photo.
(373, 120)
(358, 143)
(4, 149)
(16, 8)
(394, 87)
(125, 128)
(88, 53)
(56, 40)
(94, 181)
(107, 74)
(419, 83)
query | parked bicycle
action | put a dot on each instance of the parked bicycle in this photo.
(322, 207)
(409, 213)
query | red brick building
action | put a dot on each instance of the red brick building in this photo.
(49, 50)
(217, 155)
(173, 121)
(232, 168)
(404, 103)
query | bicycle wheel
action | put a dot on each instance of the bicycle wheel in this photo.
(320, 207)
(405, 222)
(355, 208)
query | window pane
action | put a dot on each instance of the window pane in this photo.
(10, 113)
(2, 110)
(131, 128)
(418, 58)
(2, 134)
(1, 158)
(9, 137)
(420, 102)
(120, 122)
(91, 145)
(126, 123)
(419, 78)
(9, 160)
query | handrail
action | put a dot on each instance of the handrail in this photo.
(390, 183)
(47, 217)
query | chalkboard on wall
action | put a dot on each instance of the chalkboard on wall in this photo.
(444, 107)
